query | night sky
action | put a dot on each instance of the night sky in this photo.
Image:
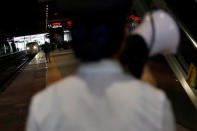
(18, 17)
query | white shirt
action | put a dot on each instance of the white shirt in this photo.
(100, 97)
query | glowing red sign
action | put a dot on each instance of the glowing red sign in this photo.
(56, 35)
(69, 23)
(56, 24)
(134, 17)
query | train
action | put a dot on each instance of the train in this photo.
(32, 48)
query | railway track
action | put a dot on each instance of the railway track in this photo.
(10, 66)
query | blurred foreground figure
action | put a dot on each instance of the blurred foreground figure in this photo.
(157, 34)
(100, 96)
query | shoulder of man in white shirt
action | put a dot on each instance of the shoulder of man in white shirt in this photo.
(70, 85)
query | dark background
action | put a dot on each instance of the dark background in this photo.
(20, 17)
(186, 11)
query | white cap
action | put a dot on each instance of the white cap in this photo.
(167, 34)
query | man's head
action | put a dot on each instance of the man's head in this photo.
(97, 26)
(97, 38)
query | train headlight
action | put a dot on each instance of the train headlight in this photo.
(35, 47)
(28, 48)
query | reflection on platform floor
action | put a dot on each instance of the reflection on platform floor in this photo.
(63, 63)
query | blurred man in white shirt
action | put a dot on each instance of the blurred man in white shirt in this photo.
(100, 96)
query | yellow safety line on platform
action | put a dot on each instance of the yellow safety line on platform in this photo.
(53, 73)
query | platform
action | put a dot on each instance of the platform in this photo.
(14, 101)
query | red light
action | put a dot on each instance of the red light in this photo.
(69, 23)
(134, 17)
(56, 35)
(56, 24)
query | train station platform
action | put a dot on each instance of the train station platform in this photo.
(15, 99)
(63, 63)
(38, 74)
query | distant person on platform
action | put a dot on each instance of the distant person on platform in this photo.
(47, 50)
(100, 96)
